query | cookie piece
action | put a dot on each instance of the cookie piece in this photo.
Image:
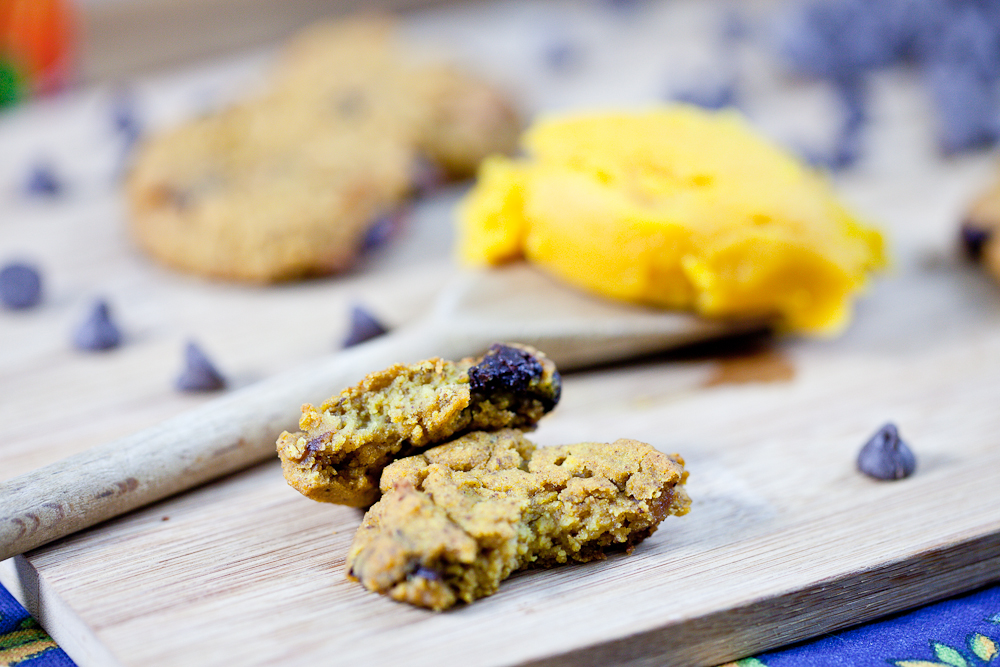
(458, 519)
(344, 445)
(286, 185)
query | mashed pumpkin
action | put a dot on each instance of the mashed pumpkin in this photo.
(674, 207)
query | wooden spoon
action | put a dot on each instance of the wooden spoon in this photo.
(513, 304)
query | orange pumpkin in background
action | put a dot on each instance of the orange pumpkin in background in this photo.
(35, 47)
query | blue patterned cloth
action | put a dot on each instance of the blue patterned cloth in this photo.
(22, 641)
(961, 632)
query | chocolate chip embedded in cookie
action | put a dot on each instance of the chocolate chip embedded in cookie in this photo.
(339, 455)
(460, 518)
(980, 231)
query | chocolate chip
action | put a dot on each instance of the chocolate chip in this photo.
(956, 47)
(43, 181)
(562, 56)
(735, 26)
(97, 332)
(427, 573)
(709, 97)
(504, 368)
(20, 286)
(364, 327)
(381, 230)
(973, 239)
(887, 457)
(125, 115)
(199, 373)
(853, 95)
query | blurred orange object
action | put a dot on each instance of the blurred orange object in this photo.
(36, 40)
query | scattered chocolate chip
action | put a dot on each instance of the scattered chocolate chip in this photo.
(622, 5)
(562, 56)
(973, 239)
(199, 373)
(97, 332)
(885, 456)
(504, 368)
(381, 230)
(853, 96)
(42, 181)
(364, 327)
(125, 115)
(127, 125)
(734, 26)
(710, 97)
(955, 46)
(20, 286)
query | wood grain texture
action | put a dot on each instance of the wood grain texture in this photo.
(785, 539)
(120, 40)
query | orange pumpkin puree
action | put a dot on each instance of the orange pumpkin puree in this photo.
(675, 207)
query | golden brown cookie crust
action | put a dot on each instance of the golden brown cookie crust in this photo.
(343, 446)
(286, 185)
(456, 520)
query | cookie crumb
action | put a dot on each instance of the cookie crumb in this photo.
(20, 286)
(886, 456)
(364, 327)
(199, 373)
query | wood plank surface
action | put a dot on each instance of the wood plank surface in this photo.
(122, 39)
(785, 539)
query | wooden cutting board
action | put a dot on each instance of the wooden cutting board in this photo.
(785, 539)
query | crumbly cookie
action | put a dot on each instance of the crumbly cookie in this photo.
(458, 519)
(980, 231)
(344, 445)
(286, 185)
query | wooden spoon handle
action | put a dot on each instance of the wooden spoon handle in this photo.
(218, 438)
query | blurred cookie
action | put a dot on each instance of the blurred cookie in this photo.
(980, 230)
(286, 185)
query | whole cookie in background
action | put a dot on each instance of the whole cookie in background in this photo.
(286, 185)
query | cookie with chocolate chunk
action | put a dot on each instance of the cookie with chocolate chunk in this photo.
(980, 230)
(457, 520)
(343, 446)
(286, 185)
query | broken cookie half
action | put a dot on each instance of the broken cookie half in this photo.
(458, 519)
(343, 446)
